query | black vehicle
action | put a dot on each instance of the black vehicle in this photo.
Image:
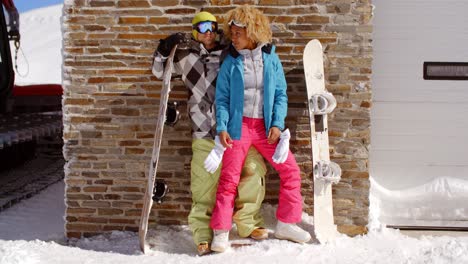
(27, 113)
(7, 75)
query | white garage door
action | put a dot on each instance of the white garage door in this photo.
(419, 147)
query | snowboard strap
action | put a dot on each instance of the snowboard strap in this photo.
(323, 103)
(327, 171)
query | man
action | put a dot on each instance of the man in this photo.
(199, 65)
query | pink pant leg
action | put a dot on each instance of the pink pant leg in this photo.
(233, 161)
(290, 198)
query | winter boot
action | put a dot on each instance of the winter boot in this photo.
(203, 248)
(291, 232)
(220, 240)
(259, 233)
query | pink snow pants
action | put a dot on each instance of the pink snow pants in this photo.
(290, 199)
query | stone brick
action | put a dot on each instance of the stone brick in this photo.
(121, 221)
(125, 189)
(113, 227)
(94, 189)
(181, 11)
(276, 2)
(96, 3)
(165, 2)
(79, 197)
(132, 20)
(313, 19)
(282, 19)
(132, 3)
(109, 211)
(352, 230)
(101, 36)
(82, 227)
(105, 182)
(96, 204)
(340, 8)
(135, 36)
(305, 2)
(73, 211)
(122, 204)
(125, 112)
(303, 10)
(220, 2)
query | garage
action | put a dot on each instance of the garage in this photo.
(419, 146)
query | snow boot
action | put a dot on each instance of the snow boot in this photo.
(259, 233)
(291, 232)
(203, 248)
(220, 240)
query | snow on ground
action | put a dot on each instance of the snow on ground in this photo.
(32, 232)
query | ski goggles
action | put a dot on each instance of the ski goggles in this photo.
(206, 26)
(236, 23)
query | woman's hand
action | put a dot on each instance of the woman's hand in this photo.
(225, 139)
(273, 135)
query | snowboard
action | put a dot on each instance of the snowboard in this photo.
(325, 172)
(151, 186)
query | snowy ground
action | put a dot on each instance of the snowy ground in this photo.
(32, 232)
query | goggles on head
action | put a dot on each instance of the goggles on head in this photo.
(205, 26)
(236, 23)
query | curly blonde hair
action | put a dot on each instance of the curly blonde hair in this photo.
(257, 24)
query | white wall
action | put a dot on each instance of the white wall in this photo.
(419, 127)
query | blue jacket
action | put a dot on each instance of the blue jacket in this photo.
(230, 92)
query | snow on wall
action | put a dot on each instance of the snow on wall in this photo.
(442, 202)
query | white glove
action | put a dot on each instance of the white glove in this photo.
(282, 150)
(215, 157)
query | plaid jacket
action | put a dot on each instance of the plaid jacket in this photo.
(199, 69)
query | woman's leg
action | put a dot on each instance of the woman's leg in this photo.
(290, 198)
(233, 160)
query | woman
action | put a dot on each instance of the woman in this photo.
(251, 105)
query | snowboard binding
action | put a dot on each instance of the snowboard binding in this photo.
(327, 171)
(323, 103)
(172, 114)
(160, 190)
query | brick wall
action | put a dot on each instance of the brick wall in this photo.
(111, 99)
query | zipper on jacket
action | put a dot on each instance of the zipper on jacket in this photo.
(255, 73)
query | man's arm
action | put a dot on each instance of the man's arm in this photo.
(162, 52)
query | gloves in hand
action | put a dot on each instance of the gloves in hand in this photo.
(166, 45)
(282, 150)
(215, 157)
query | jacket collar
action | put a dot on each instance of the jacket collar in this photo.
(197, 47)
(267, 48)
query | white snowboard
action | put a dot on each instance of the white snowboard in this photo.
(325, 228)
(147, 198)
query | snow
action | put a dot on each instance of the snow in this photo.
(33, 230)
(441, 202)
(40, 31)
